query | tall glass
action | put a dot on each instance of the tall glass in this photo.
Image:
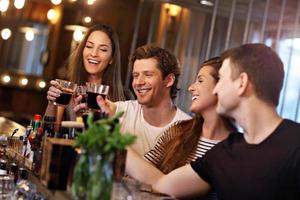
(93, 90)
(81, 90)
(68, 89)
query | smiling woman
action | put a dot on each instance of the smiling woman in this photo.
(95, 60)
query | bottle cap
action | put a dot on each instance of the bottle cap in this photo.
(37, 117)
(40, 130)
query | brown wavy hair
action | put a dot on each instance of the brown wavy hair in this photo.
(186, 134)
(167, 62)
(112, 73)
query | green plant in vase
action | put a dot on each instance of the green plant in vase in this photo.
(93, 171)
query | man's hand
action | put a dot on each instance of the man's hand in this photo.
(106, 106)
(79, 107)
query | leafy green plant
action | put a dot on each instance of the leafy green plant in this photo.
(92, 179)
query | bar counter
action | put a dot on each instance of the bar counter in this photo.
(126, 189)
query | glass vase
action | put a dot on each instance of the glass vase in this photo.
(101, 176)
(94, 175)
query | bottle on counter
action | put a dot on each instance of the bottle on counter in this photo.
(49, 126)
(29, 128)
(36, 121)
(23, 174)
(3, 167)
(13, 170)
(32, 138)
(37, 157)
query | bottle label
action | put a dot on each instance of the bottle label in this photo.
(3, 172)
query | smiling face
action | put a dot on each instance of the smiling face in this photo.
(148, 84)
(202, 90)
(227, 90)
(97, 53)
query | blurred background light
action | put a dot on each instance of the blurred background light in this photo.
(19, 4)
(4, 5)
(23, 81)
(6, 78)
(5, 33)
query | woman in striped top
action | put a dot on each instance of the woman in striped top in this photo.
(187, 140)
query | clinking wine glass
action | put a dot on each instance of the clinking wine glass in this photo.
(81, 90)
(68, 89)
(93, 90)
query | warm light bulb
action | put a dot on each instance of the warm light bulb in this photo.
(51, 14)
(207, 3)
(167, 6)
(24, 81)
(6, 78)
(42, 84)
(56, 2)
(5, 33)
(77, 35)
(174, 10)
(90, 2)
(4, 5)
(87, 19)
(29, 35)
(19, 4)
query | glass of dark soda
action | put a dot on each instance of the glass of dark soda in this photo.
(68, 88)
(93, 90)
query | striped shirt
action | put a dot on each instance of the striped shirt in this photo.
(204, 145)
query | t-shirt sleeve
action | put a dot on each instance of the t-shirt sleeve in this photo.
(120, 106)
(201, 167)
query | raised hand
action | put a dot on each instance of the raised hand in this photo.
(53, 91)
(106, 105)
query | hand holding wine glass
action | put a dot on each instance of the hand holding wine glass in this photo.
(80, 106)
(53, 91)
(106, 105)
(60, 92)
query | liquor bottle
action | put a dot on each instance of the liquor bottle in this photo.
(3, 167)
(29, 128)
(23, 174)
(49, 125)
(36, 122)
(13, 170)
(37, 148)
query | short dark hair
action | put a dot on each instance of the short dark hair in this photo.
(167, 62)
(263, 66)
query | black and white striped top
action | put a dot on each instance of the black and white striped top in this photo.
(204, 145)
(155, 155)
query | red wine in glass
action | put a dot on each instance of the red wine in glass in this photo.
(64, 98)
(92, 100)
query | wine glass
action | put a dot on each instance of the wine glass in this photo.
(93, 90)
(68, 89)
